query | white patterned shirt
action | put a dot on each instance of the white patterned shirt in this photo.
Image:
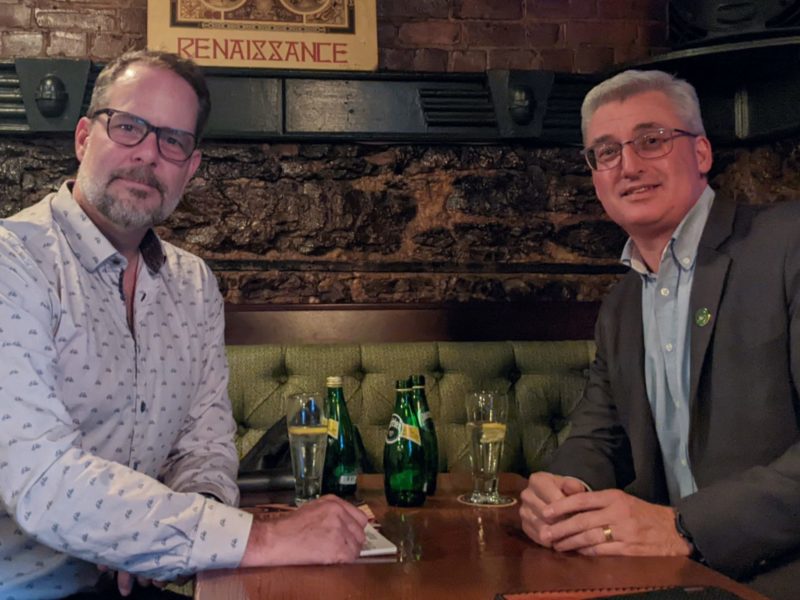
(108, 437)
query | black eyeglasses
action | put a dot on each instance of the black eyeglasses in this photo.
(124, 128)
(653, 143)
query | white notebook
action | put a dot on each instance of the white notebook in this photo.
(376, 544)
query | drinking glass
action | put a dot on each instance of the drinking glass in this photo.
(487, 412)
(308, 431)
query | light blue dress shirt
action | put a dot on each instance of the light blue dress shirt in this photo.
(667, 341)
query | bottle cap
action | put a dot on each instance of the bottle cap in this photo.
(402, 384)
(418, 380)
(333, 381)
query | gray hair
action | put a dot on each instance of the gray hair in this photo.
(631, 83)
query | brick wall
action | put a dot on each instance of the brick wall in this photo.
(561, 35)
(424, 35)
(79, 28)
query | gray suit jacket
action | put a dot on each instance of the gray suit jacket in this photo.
(744, 441)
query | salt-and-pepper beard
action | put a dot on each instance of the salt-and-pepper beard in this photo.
(121, 213)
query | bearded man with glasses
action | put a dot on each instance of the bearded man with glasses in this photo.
(687, 439)
(116, 434)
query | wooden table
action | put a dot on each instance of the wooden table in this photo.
(449, 550)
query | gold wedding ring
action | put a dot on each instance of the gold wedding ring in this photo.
(608, 534)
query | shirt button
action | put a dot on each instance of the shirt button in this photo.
(683, 462)
(143, 407)
(664, 292)
(686, 261)
(668, 347)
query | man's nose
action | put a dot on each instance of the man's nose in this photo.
(147, 150)
(630, 162)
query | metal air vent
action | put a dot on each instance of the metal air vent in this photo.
(457, 106)
(563, 114)
(12, 108)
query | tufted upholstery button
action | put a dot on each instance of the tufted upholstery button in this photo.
(437, 375)
(358, 375)
(514, 375)
(557, 423)
(282, 379)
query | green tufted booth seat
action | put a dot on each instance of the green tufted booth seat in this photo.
(544, 381)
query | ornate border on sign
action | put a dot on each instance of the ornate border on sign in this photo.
(272, 34)
(317, 16)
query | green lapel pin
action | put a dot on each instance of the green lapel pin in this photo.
(702, 317)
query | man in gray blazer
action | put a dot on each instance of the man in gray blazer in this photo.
(687, 439)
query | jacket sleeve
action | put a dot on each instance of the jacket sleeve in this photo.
(750, 521)
(597, 450)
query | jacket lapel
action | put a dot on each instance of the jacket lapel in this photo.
(650, 483)
(709, 281)
(631, 345)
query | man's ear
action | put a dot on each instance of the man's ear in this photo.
(194, 162)
(82, 137)
(703, 154)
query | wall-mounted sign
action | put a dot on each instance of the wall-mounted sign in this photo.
(272, 34)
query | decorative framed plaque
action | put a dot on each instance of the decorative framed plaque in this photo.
(271, 34)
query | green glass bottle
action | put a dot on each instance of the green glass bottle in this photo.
(403, 454)
(427, 431)
(341, 459)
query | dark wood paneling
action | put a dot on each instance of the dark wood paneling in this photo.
(288, 324)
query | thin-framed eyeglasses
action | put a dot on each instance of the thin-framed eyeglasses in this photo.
(653, 143)
(175, 145)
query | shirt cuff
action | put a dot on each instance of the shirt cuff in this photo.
(221, 537)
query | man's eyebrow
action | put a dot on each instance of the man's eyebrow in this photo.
(602, 139)
(638, 128)
(648, 125)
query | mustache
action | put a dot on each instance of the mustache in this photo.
(141, 174)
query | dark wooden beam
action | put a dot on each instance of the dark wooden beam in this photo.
(313, 324)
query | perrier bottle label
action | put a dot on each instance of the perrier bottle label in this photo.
(399, 430)
(341, 459)
(403, 454)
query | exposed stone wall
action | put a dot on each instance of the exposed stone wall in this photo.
(424, 35)
(365, 223)
(349, 223)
